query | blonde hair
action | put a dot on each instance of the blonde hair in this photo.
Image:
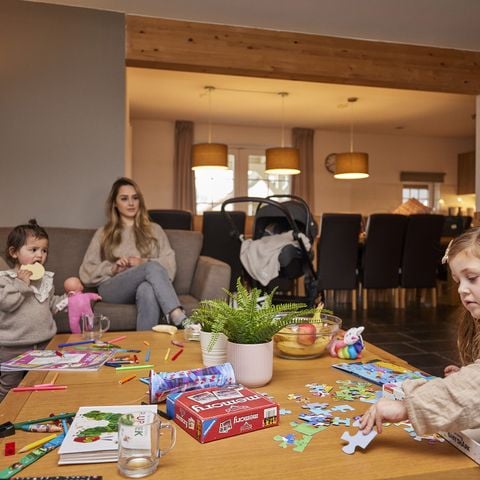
(468, 340)
(145, 241)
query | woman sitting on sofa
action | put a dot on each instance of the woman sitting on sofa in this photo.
(131, 261)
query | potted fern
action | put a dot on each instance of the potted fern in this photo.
(213, 345)
(249, 321)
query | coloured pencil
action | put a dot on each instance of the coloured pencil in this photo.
(126, 379)
(54, 379)
(167, 354)
(37, 443)
(40, 388)
(177, 354)
(72, 344)
(133, 367)
(46, 419)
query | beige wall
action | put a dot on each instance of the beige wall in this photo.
(62, 112)
(389, 155)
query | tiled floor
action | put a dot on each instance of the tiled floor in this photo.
(423, 336)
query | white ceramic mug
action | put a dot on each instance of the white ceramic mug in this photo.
(94, 325)
(139, 449)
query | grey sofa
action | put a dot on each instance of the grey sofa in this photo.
(198, 277)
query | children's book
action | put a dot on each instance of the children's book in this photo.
(71, 360)
(93, 435)
(380, 372)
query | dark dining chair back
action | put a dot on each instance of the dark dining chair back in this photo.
(337, 253)
(221, 243)
(382, 253)
(172, 219)
(422, 252)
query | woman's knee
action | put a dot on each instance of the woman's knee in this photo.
(155, 270)
(145, 293)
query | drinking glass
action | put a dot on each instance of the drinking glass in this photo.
(94, 325)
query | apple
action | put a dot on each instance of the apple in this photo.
(307, 334)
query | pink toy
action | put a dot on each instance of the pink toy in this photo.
(78, 302)
(350, 346)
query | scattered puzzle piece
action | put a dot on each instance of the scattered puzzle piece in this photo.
(307, 429)
(342, 408)
(357, 440)
(284, 411)
(341, 421)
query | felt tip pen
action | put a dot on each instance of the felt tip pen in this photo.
(134, 367)
(37, 443)
(167, 354)
(72, 344)
(46, 419)
(177, 354)
(117, 339)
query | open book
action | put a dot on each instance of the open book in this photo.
(93, 435)
(71, 360)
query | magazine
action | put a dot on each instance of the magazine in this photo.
(380, 372)
(71, 360)
(93, 435)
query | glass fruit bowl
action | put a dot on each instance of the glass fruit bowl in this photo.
(307, 339)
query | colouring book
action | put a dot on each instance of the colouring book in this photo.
(71, 360)
(93, 435)
(380, 372)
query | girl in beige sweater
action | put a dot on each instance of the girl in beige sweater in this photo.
(451, 403)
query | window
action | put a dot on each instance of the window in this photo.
(245, 177)
(419, 192)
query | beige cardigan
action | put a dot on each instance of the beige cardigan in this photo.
(94, 270)
(446, 404)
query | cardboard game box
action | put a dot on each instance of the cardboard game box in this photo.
(218, 412)
(467, 441)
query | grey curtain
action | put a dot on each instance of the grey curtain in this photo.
(184, 179)
(302, 185)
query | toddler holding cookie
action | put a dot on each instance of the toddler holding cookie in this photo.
(27, 300)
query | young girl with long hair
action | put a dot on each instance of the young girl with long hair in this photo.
(130, 259)
(451, 403)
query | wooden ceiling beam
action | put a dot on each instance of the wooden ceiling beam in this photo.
(210, 48)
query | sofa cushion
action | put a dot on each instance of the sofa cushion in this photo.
(187, 245)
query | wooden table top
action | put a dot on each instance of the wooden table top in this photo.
(392, 454)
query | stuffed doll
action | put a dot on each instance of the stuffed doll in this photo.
(79, 303)
(350, 346)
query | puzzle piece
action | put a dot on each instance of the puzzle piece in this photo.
(357, 440)
(307, 429)
(342, 408)
(301, 444)
(341, 421)
(284, 411)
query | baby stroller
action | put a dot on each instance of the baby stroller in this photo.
(280, 251)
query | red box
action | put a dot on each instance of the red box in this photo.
(212, 413)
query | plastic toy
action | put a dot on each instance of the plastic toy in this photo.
(350, 346)
(78, 302)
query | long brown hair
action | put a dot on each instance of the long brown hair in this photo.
(145, 240)
(469, 327)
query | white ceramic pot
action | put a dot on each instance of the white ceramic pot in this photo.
(252, 364)
(218, 353)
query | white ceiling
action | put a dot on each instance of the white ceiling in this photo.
(172, 95)
(178, 95)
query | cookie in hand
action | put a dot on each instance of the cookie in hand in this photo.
(37, 270)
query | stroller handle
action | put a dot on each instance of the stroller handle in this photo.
(288, 216)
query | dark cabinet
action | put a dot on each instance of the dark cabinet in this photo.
(466, 173)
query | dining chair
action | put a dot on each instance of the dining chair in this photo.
(421, 255)
(337, 254)
(221, 243)
(382, 254)
(172, 219)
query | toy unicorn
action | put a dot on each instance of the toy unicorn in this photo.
(350, 346)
